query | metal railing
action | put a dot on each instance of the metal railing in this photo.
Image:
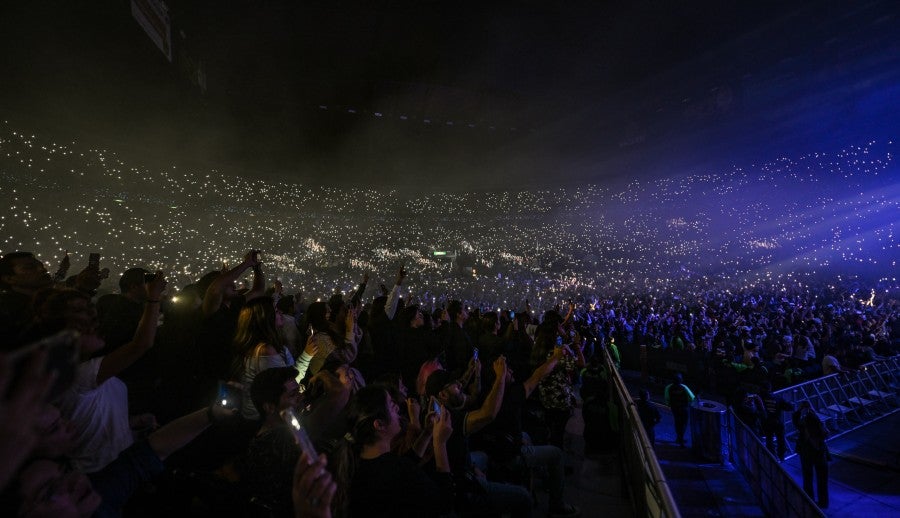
(776, 491)
(851, 400)
(649, 490)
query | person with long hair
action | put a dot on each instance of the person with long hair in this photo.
(375, 481)
(327, 338)
(258, 346)
(557, 391)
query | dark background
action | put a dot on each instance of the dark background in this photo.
(424, 95)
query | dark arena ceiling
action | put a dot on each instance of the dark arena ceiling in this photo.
(436, 96)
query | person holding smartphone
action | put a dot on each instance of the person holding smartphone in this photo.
(378, 481)
(266, 467)
(557, 391)
(258, 347)
(97, 402)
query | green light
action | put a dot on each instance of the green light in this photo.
(440, 253)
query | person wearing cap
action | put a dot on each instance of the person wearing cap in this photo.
(447, 391)
(679, 398)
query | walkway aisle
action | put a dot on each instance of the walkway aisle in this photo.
(595, 482)
(699, 488)
(864, 477)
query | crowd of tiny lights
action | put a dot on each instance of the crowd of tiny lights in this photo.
(739, 227)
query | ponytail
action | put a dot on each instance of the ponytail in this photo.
(367, 406)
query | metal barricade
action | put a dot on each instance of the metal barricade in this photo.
(848, 400)
(777, 492)
(649, 491)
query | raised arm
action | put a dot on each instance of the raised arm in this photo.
(177, 434)
(390, 307)
(471, 379)
(357, 296)
(542, 371)
(259, 283)
(215, 294)
(478, 419)
(570, 313)
(120, 359)
(443, 429)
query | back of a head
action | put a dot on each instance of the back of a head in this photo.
(315, 315)
(335, 303)
(256, 323)
(367, 406)
(679, 378)
(132, 277)
(55, 306)
(7, 262)
(488, 322)
(408, 315)
(285, 304)
(205, 281)
(454, 309)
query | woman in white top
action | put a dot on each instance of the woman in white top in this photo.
(258, 347)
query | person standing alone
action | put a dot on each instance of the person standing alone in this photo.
(773, 425)
(679, 398)
(649, 415)
(813, 451)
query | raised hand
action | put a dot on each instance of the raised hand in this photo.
(443, 427)
(313, 488)
(156, 287)
(500, 367)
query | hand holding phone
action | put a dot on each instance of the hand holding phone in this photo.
(94, 261)
(300, 436)
(228, 396)
(435, 407)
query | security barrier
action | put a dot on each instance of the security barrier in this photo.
(847, 401)
(649, 491)
(777, 492)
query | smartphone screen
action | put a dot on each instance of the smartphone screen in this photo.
(228, 396)
(94, 260)
(300, 436)
(62, 357)
(435, 407)
(475, 353)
